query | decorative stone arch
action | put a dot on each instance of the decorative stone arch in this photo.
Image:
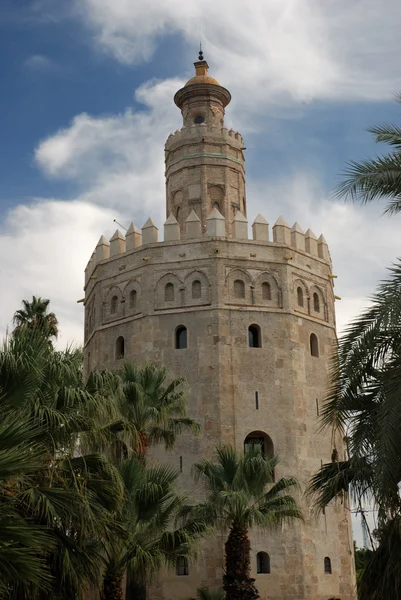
(216, 197)
(133, 297)
(113, 298)
(163, 300)
(298, 287)
(318, 304)
(266, 290)
(197, 289)
(233, 289)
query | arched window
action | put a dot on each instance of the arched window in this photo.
(314, 345)
(262, 562)
(178, 214)
(132, 299)
(300, 296)
(327, 565)
(120, 347)
(266, 291)
(217, 198)
(261, 439)
(316, 302)
(196, 289)
(239, 288)
(182, 565)
(254, 337)
(181, 338)
(113, 305)
(169, 292)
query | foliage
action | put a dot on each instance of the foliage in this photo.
(365, 398)
(153, 409)
(379, 177)
(34, 315)
(206, 594)
(156, 527)
(241, 494)
(56, 500)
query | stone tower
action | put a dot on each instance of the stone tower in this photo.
(248, 322)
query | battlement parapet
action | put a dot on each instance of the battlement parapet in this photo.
(202, 131)
(292, 238)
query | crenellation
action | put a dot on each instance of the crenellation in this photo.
(216, 224)
(102, 249)
(297, 237)
(171, 229)
(260, 229)
(149, 232)
(193, 226)
(117, 243)
(323, 248)
(240, 226)
(281, 232)
(311, 243)
(133, 237)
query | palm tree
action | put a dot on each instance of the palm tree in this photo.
(379, 177)
(365, 400)
(241, 494)
(154, 409)
(35, 315)
(153, 532)
(73, 495)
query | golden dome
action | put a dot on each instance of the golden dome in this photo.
(202, 79)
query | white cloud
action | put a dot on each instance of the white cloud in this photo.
(45, 248)
(265, 50)
(39, 63)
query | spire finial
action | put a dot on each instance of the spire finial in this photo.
(200, 52)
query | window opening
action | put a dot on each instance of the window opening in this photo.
(257, 400)
(300, 296)
(239, 288)
(182, 565)
(169, 292)
(316, 302)
(181, 338)
(262, 562)
(317, 407)
(181, 464)
(120, 350)
(327, 565)
(314, 345)
(199, 119)
(132, 299)
(266, 291)
(113, 306)
(196, 289)
(254, 336)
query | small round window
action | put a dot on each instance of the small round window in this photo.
(199, 120)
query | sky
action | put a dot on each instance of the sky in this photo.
(86, 105)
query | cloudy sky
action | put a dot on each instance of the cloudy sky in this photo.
(86, 104)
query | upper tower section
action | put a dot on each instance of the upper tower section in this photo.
(204, 160)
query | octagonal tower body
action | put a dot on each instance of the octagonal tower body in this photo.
(260, 331)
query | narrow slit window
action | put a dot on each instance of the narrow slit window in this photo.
(327, 566)
(181, 464)
(316, 302)
(257, 400)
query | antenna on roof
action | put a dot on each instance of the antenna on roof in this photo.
(115, 221)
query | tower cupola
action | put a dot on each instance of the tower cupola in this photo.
(204, 160)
